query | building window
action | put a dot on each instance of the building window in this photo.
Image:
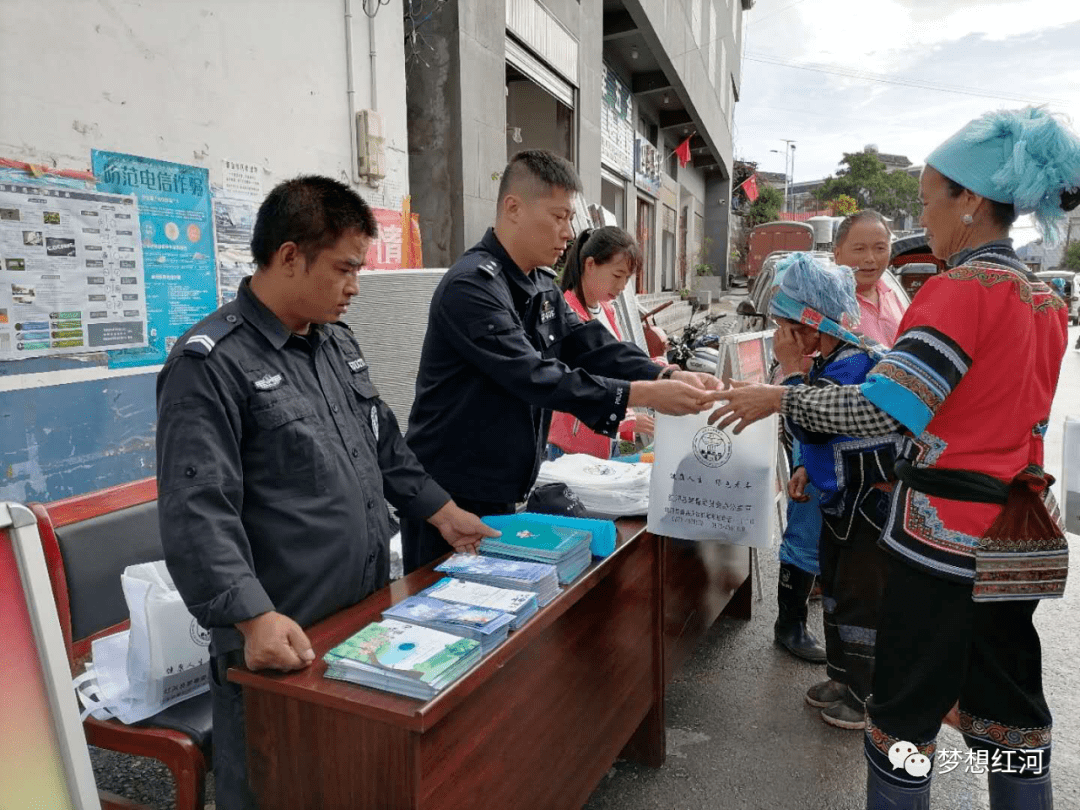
(613, 198)
(647, 130)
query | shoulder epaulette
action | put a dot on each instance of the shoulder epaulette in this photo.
(203, 340)
(490, 268)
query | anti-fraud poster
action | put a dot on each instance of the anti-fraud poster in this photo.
(176, 224)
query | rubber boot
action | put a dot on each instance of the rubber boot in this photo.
(1011, 792)
(882, 795)
(793, 589)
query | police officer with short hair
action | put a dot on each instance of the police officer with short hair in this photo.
(503, 350)
(274, 455)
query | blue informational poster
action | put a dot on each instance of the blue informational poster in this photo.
(177, 227)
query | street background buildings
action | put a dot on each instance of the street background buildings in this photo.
(614, 86)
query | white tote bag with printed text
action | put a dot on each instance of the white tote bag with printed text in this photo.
(163, 659)
(709, 484)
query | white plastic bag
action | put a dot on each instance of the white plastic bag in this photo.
(615, 488)
(709, 484)
(162, 660)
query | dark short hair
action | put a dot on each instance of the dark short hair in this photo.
(540, 169)
(1003, 214)
(866, 215)
(312, 211)
(601, 245)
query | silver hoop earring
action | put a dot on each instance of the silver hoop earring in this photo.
(967, 219)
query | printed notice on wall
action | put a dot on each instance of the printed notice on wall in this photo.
(177, 234)
(71, 272)
(241, 179)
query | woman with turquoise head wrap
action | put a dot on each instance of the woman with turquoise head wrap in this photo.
(816, 310)
(973, 532)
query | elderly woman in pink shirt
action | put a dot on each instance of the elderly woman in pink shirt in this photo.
(862, 243)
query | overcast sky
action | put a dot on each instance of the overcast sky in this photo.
(1008, 51)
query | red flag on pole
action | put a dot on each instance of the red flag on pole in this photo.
(749, 187)
(683, 151)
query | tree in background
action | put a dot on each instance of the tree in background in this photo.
(862, 176)
(1071, 260)
(766, 208)
(843, 206)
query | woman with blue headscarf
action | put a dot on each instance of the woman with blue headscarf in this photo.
(816, 309)
(973, 532)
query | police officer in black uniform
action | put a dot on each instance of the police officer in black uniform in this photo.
(503, 350)
(274, 455)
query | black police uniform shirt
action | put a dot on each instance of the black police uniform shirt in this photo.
(502, 351)
(274, 453)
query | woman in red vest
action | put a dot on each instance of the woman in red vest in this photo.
(601, 262)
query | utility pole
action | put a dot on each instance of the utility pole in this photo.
(792, 174)
(789, 152)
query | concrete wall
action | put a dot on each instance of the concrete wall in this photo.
(193, 82)
(457, 113)
(457, 125)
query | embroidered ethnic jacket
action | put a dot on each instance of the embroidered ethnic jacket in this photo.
(972, 376)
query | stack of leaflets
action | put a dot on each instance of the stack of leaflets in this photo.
(486, 625)
(532, 539)
(514, 574)
(402, 658)
(522, 604)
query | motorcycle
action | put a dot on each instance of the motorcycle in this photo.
(696, 348)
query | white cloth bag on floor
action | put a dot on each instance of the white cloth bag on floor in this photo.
(709, 484)
(163, 659)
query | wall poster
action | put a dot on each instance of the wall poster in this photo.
(71, 272)
(176, 227)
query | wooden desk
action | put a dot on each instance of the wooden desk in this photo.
(536, 724)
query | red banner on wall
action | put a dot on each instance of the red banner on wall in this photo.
(398, 247)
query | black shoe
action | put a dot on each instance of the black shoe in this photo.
(790, 630)
(847, 713)
(825, 694)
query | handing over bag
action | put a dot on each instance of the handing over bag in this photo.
(162, 660)
(709, 484)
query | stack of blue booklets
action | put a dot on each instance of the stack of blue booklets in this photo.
(533, 538)
(486, 625)
(517, 575)
(521, 604)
